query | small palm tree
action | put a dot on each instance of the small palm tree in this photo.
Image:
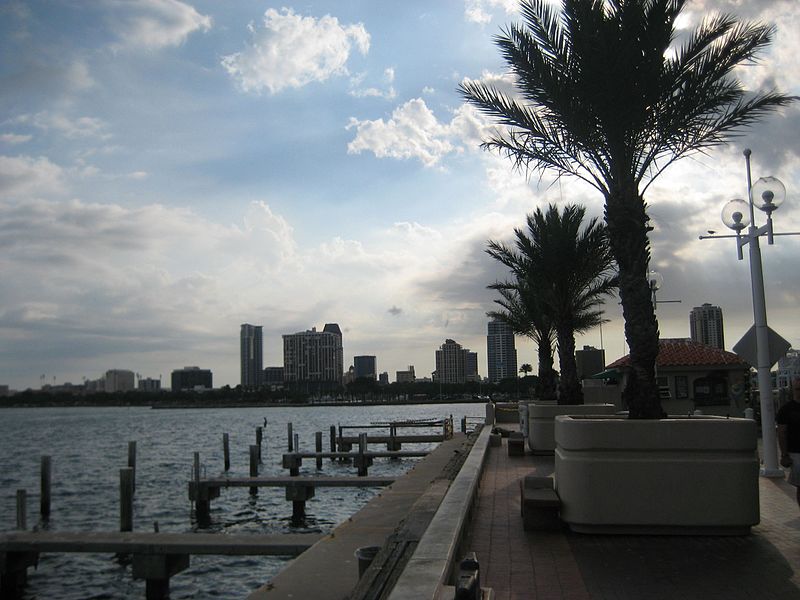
(571, 270)
(525, 369)
(606, 95)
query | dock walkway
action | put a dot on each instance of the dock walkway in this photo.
(561, 565)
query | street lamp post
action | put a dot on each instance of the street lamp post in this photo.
(767, 194)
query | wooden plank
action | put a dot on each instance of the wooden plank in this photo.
(292, 481)
(157, 543)
(403, 439)
(343, 455)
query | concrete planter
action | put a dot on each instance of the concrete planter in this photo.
(542, 422)
(685, 475)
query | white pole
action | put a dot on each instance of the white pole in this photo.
(770, 446)
(770, 468)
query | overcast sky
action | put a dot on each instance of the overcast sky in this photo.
(170, 170)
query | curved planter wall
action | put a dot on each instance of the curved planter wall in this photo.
(694, 475)
(542, 422)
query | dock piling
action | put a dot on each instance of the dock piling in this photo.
(45, 487)
(226, 452)
(289, 435)
(333, 440)
(22, 510)
(132, 464)
(253, 467)
(259, 434)
(318, 446)
(126, 499)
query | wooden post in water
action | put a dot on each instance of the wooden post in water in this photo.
(132, 464)
(289, 435)
(126, 499)
(226, 452)
(333, 440)
(22, 510)
(253, 467)
(45, 487)
(361, 460)
(259, 435)
(297, 442)
(318, 444)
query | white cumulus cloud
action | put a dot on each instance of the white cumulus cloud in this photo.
(156, 24)
(291, 51)
(413, 131)
(21, 175)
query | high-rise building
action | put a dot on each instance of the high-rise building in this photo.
(314, 359)
(705, 326)
(501, 353)
(119, 380)
(191, 378)
(455, 364)
(365, 367)
(251, 348)
(406, 376)
(788, 368)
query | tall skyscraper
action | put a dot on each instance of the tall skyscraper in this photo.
(365, 366)
(314, 359)
(705, 325)
(501, 352)
(251, 344)
(455, 364)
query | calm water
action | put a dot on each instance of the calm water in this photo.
(88, 446)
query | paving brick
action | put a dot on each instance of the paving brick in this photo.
(561, 565)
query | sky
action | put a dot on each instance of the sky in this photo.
(171, 169)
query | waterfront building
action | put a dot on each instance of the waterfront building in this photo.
(191, 378)
(455, 364)
(251, 355)
(407, 376)
(501, 352)
(383, 378)
(788, 368)
(314, 360)
(365, 367)
(148, 384)
(273, 376)
(589, 361)
(118, 380)
(705, 326)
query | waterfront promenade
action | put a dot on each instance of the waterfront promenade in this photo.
(561, 565)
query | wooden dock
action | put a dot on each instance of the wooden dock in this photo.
(156, 556)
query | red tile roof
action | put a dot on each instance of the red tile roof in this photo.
(682, 352)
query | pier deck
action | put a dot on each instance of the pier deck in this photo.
(290, 544)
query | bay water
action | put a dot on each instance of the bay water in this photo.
(89, 445)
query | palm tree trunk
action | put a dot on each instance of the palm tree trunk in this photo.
(626, 217)
(569, 388)
(546, 385)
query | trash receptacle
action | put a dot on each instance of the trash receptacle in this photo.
(365, 556)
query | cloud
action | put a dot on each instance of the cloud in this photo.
(155, 24)
(26, 175)
(70, 127)
(291, 51)
(388, 93)
(479, 11)
(413, 131)
(14, 138)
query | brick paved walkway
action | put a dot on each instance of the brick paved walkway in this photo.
(568, 566)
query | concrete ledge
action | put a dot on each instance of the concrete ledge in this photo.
(430, 566)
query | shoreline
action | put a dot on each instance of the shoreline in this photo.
(182, 404)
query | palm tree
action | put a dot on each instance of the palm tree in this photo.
(607, 96)
(525, 369)
(571, 269)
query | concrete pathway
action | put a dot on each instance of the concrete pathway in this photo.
(567, 566)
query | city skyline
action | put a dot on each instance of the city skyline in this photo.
(162, 182)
